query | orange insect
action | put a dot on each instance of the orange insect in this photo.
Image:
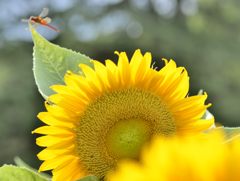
(42, 20)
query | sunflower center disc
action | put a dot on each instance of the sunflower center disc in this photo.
(126, 138)
(117, 125)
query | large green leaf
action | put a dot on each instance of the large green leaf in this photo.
(20, 163)
(50, 63)
(13, 173)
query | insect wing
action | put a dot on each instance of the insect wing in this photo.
(44, 12)
(25, 20)
(47, 20)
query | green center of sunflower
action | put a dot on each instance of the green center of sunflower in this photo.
(126, 138)
(117, 125)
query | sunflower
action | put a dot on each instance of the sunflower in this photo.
(202, 157)
(110, 111)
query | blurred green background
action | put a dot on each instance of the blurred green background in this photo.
(202, 35)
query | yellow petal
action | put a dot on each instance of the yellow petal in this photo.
(68, 172)
(46, 141)
(53, 163)
(49, 119)
(52, 151)
(54, 130)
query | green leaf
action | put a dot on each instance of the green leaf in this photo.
(19, 162)
(50, 63)
(89, 178)
(13, 173)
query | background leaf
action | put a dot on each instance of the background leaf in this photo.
(50, 63)
(12, 173)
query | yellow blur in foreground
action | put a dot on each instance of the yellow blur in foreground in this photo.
(200, 158)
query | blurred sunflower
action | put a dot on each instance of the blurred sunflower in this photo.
(111, 111)
(199, 158)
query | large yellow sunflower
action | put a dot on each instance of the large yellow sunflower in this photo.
(199, 158)
(110, 111)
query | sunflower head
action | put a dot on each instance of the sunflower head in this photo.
(110, 111)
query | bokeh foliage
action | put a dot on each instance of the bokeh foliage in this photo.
(202, 35)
